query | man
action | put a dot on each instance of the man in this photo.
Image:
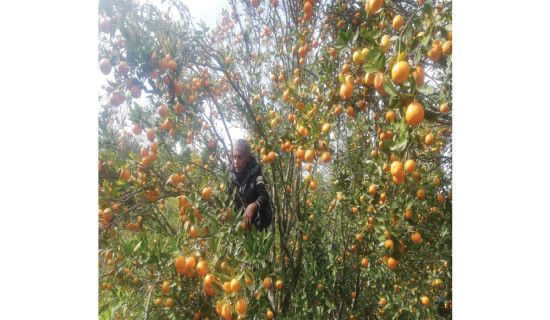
(246, 177)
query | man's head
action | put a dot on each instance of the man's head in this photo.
(241, 155)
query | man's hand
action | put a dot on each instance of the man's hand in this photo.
(249, 213)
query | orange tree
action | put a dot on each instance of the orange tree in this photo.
(346, 103)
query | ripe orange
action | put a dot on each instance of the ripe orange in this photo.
(326, 157)
(201, 268)
(309, 155)
(169, 302)
(226, 311)
(373, 5)
(279, 284)
(369, 78)
(163, 111)
(346, 90)
(235, 285)
(372, 189)
(383, 302)
(414, 114)
(425, 301)
(408, 213)
(392, 263)
(440, 198)
(269, 314)
(397, 169)
(410, 166)
(436, 181)
(151, 135)
(105, 66)
(267, 283)
(400, 72)
(418, 76)
(358, 237)
(420, 194)
(435, 53)
(397, 22)
(206, 193)
(240, 306)
(416, 237)
(193, 232)
(389, 244)
(390, 115)
(379, 82)
(227, 286)
(365, 262)
(166, 287)
(159, 302)
(447, 47)
(444, 108)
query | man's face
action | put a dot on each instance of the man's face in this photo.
(240, 159)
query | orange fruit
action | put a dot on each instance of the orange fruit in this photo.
(444, 108)
(440, 198)
(385, 41)
(365, 262)
(372, 189)
(105, 66)
(166, 287)
(353, 295)
(418, 76)
(201, 268)
(346, 90)
(227, 286)
(390, 115)
(430, 139)
(151, 135)
(410, 166)
(159, 302)
(269, 314)
(436, 181)
(308, 10)
(383, 302)
(425, 301)
(240, 306)
(416, 237)
(373, 5)
(226, 311)
(169, 302)
(309, 155)
(398, 179)
(392, 263)
(379, 82)
(435, 53)
(397, 169)
(369, 78)
(420, 194)
(206, 193)
(235, 285)
(400, 72)
(389, 244)
(312, 185)
(267, 283)
(408, 213)
(414, 113)
(447, 47)
(397, 22)
(358, 237)
(279, 284)
(163, 111)
(326, 157)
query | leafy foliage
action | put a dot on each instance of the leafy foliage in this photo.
(269, 70)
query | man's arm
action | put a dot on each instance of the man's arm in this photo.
(263, 196)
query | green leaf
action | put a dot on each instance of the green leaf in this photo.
(429, 115)
(390, 89)
(128, 247)
(428, 9)
(399, 146)
(426, 90)
(268, 244)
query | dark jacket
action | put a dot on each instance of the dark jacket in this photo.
(250, 188)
